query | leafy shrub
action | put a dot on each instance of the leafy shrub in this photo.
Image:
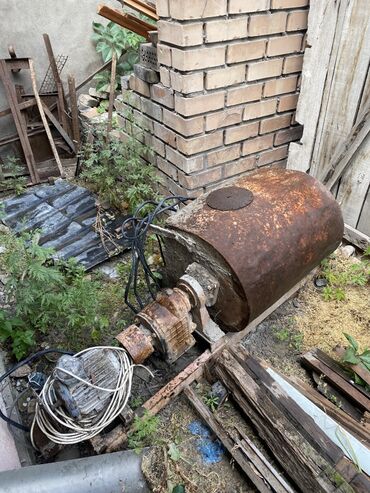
(124, 44)
(14, 181)
(352, 356)
(45, 296)
(118, 173)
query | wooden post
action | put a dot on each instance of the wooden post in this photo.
(74, 111)
(111, 93)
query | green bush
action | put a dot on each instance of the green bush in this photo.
(45, 296)
(118, 173)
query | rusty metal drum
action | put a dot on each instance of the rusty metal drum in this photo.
(258, 237)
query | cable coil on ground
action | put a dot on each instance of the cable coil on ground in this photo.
(61, 428)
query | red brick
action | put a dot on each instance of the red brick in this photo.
(259, 25)
(215, 79)
(184, 126)
(225, 30)
(201, 179)
(245, 94)
(275, 123)
(260, 109)
(224, 118)
(162, 95)
(246, 6)
(272, 156)
(288, 4)
(297, 21)
(293, 64)
(167, 168)
(265, 69)
(288, 102)
(241, 166)
(197, 9)
(289, 135)
(246, 50)
(258, 144)
(281, 86)
(165, 134)
(197, 105)
(186, 164)
(180, 34)
(241, 132)
(197, 59)
(284, 45)
(228, 153)
(199, 144)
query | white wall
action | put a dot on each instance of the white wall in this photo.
(69, 25)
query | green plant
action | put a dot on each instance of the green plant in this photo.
(144, 429)
(282, 334)
(367, 251)
(14, 181)
(124, 44)
(211, 401)
(136, 402)
(44, 296)
(118, 173)
(341, 275)
(352, 356)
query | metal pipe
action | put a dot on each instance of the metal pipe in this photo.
(113, 473)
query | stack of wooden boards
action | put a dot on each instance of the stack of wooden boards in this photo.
(313, 457)
(337, 393)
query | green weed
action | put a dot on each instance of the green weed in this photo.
(144, 430)
(14, 180)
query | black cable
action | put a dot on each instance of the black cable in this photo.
(135, 230)
(18, 365)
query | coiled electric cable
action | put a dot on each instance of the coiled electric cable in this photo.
(61, 428)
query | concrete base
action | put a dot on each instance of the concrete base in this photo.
(8, 453)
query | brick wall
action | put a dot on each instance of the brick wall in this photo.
(229, 82)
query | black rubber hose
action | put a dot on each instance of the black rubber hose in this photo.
(39, 354)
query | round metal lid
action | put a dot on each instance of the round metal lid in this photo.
(229, 198)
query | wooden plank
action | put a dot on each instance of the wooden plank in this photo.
(335, 366)
(322, 23)
(349, 391)
(270, 474)
(143, 8)
(355, 184)
(112, 91)
(191, 373)
(343, 90)
(127, 21)
(347, 150)
(353, 426)
(43, 118)
(74, 111)
(364, 221)
(225, 439)
(297, 457)
(302, 422)
(58, 126)
(12, 99)
(356, 237)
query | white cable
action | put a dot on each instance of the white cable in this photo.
(48, 418)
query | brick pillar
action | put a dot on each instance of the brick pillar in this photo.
(229, 81)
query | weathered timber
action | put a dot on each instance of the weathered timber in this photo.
(270, 474)
(58, 126)
(360, 370)
(176, 386)
(22, 134)
(332, 410)
(127, 21)
(226, 440)
(143, 8)
(112, 90)
(304, 465)
(288, 407)
(43, 118)
(74, 111)
(334, 376)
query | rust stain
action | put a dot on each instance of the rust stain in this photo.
(269, 245)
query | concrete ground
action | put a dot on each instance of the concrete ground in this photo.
(8, 453)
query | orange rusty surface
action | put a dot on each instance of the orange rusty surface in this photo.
(137, 344)
(271, 244)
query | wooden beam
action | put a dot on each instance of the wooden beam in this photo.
(346, 152)
(112, 91)
(58, 126)
(142, 8)
(43, 118)
(127, 21)
(226, 441)
(311, 361)
(356, 237)
(344, 419)
(74, 110)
